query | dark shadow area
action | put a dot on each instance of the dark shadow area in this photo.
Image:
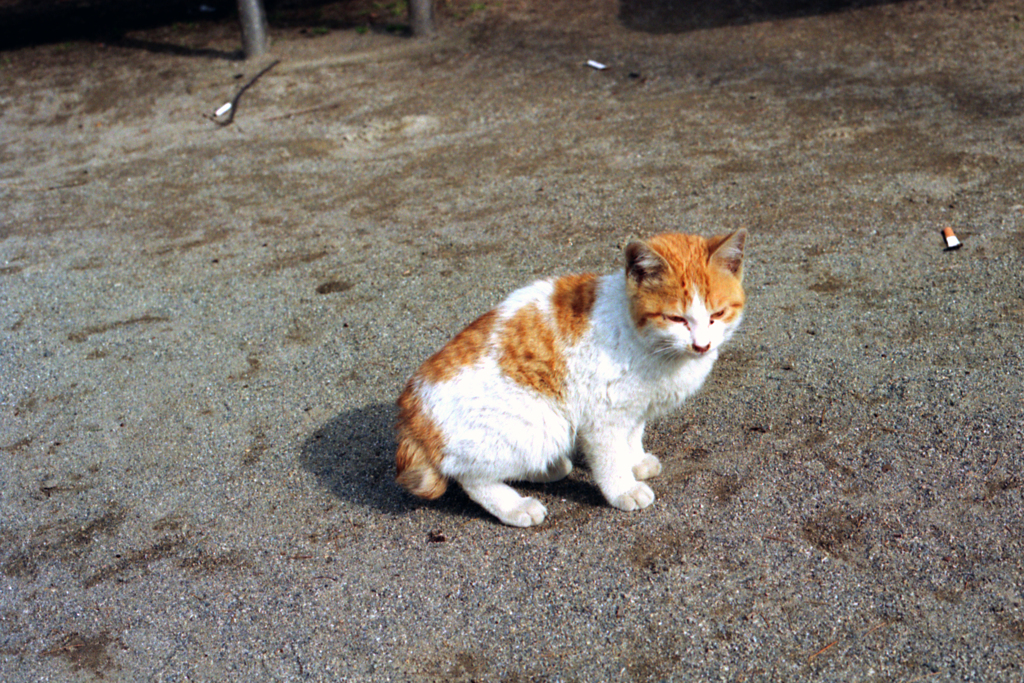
(34, 22)
(353, 457)
(39, 22)
(180, 50)
(319, 16)
(678, 16)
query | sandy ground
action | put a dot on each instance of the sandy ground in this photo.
(203, 329)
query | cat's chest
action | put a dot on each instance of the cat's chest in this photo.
(667, 391)
(649, 388)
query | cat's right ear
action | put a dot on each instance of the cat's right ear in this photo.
(643, 263)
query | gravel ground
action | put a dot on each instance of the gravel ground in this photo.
(203, 329)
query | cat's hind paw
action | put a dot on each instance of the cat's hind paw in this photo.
(529, 512)
(649, 467)
(637, 498)
(503, 502)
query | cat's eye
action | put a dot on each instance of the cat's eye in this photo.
(675, 318)
(717, 315)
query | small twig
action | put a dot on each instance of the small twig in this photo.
(238, 95)
(881, 624)
(70, 644)
(815, 655)
(773, 537)
(310, 110)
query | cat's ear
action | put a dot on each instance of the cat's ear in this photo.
(643, 263)
(726, 252)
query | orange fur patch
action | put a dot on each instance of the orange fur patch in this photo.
(689, 270)
(725, 293)
(465, 349)
(420, 448)
(572, 302)
(530, 355)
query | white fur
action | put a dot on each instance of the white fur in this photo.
(619, 377)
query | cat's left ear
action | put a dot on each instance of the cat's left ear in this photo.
(727, 252)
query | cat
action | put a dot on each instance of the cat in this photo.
(575, 363)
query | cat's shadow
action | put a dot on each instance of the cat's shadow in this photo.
(352, 456)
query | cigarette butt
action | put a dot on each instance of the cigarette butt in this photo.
(224, 109)
(951, 240)
(596, 65)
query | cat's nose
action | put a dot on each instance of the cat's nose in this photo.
(701, 349)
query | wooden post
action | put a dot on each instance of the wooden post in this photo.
(254, 28)
(421, 17)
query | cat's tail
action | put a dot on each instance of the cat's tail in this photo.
(420, 452)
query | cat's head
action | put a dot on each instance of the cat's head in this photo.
(686, 292)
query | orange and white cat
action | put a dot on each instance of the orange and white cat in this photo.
(577, 363)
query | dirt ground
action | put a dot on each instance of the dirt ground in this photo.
(203, 329)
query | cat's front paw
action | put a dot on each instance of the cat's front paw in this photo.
(637, 498)
(649, 467)
(528, 512)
